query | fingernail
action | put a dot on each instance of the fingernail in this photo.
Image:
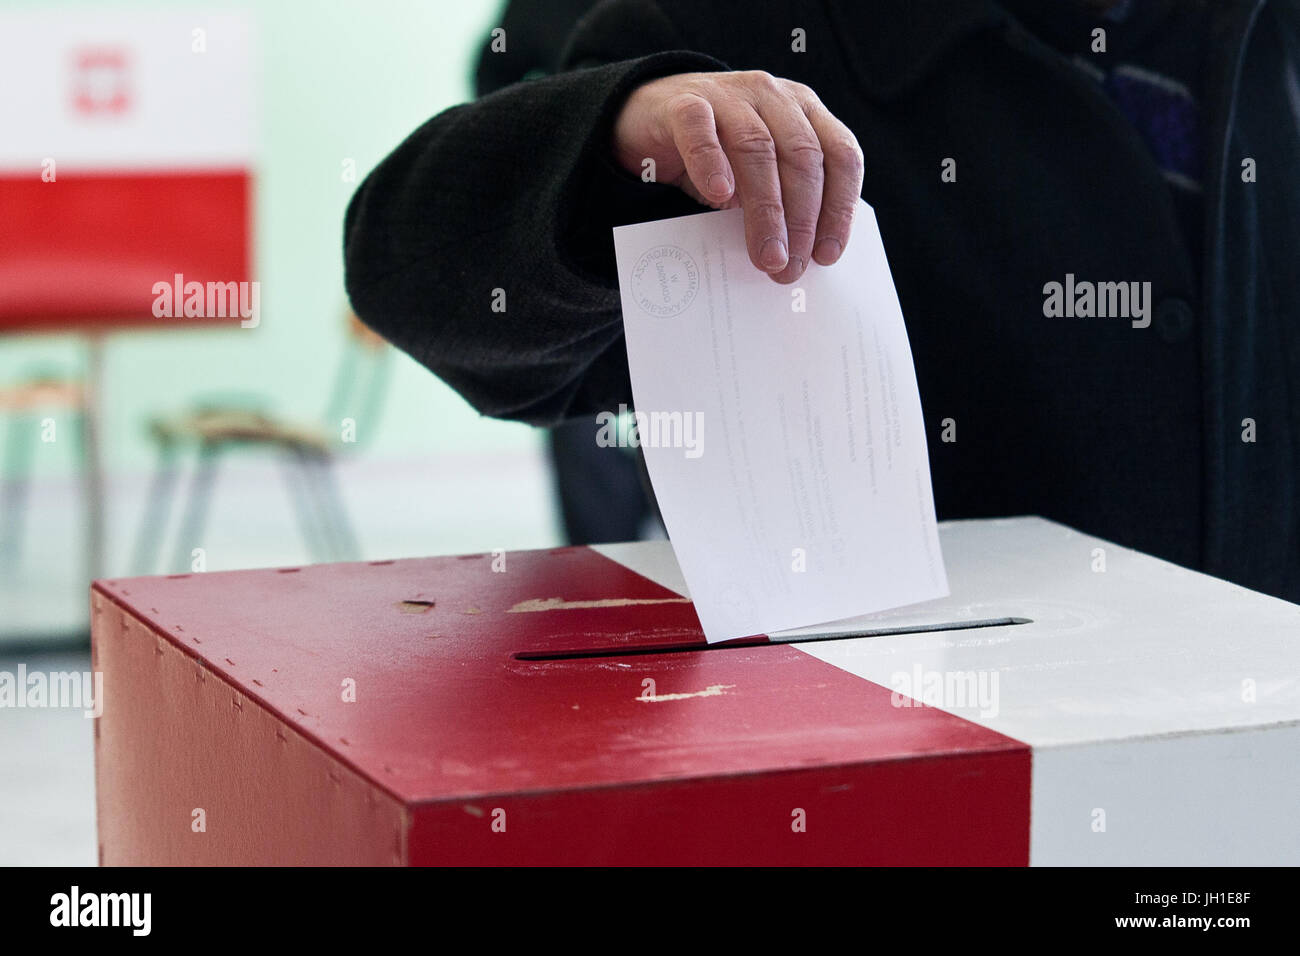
(828, 250)
(799, 265)
(773, 256)
(719, 185)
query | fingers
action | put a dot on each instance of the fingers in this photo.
(753, 154)
(798, 174)
(842, 188)
(800, 170)
(695, 136)
(764, 143)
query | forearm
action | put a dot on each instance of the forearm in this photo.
(482, 245)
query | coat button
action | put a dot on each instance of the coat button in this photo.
(1174, 320)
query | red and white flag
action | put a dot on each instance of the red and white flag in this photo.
(126, 160)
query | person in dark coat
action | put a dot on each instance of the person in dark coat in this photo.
(602, 491)
(1022, 158)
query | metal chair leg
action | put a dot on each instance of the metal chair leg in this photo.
(298, 485)
(343, 543)
(191, 530)
(19, 448)
(157, 509)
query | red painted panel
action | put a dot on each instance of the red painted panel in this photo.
(966, 810)
(447, 716)
(188, 771)
(86, 250)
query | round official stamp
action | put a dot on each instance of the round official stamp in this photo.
(665, 280)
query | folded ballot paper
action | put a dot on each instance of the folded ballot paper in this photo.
(781, 426)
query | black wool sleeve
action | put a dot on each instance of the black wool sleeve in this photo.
(508, 202)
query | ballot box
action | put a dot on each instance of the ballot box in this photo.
(1071, 702)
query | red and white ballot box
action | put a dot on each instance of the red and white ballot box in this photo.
(126, 160)
(1071, 702)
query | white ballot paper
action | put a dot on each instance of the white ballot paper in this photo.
(781, 426)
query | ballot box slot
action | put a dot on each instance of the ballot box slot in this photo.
(697, 647)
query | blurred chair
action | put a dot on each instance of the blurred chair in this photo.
(216, 424)
(40, 390)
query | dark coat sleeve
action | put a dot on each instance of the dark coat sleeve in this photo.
(518, 192)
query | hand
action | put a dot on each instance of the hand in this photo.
(757, 141)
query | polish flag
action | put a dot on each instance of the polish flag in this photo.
(126, 158)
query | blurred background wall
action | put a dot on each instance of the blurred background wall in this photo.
(336, 81)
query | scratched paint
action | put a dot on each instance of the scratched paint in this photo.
(414, 606)
(713, 690)
(559, 604)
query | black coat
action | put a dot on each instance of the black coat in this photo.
(1134, 435)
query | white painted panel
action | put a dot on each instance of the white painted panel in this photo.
(1167, 698)
(1141, 648)
(1193, 800)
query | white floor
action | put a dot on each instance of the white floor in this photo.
(399, 509)
(47, 776)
